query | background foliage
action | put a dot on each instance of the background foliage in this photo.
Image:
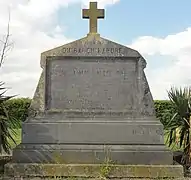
(164, 111)
(18, 107)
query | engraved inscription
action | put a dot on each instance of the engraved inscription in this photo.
(58, 70)
(103, 72)
(140, 130)
(159, 132)
(79, 71)
(93, 50)
(78, 85)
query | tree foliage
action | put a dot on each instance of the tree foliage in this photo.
(178, 128)
(7, 126)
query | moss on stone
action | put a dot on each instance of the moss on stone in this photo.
(93, 171)
(3, 160)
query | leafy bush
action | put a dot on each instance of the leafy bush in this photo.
(18, 108)
(164, 111)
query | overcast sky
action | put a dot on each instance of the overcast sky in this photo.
(160, 30)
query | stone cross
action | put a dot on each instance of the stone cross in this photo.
(93, 14)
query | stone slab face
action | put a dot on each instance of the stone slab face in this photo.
(93, 74)
(92, 94)
(90, 84)
(93, 133)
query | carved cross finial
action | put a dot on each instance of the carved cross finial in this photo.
(93, 14)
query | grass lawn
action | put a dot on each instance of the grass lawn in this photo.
(17, 138)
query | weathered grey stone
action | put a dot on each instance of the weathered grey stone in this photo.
(104, 61)
(97, 132)
(93, 92)
(93, 103)
(91, 84)
(98, 171)
(90, 72)
(88, 154)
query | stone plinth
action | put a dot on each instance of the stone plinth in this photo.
(92, 171)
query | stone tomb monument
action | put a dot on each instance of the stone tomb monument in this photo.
(93, 103)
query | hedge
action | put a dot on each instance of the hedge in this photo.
(164, 110)
(18, 107)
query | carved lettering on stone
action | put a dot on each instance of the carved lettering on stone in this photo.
(96, 85)
(100, 51)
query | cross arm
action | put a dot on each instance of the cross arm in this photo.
(85, 13)
(101, 13)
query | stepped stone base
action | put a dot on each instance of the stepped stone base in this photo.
(92, 154)
(79, 140)
(91, 171)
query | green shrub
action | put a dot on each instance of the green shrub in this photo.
(164, 111)
(7, 126)
(18, 108)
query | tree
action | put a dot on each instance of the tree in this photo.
(179, 125)
(6, 125)
(5, 44)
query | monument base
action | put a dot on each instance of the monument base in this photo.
(92, 154)
(91, 171)
(88, 140)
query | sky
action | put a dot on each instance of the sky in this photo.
(159, 30)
